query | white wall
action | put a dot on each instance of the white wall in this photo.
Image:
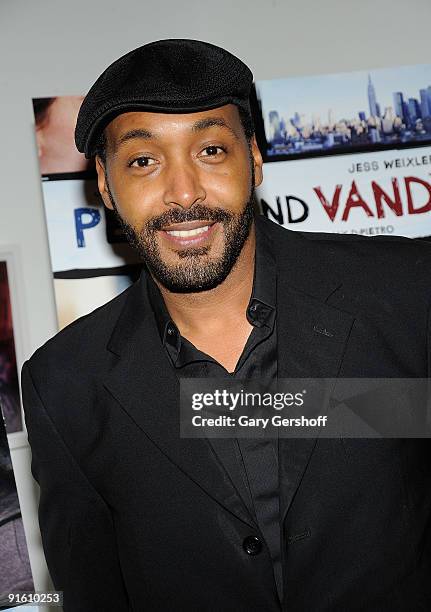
(59, 47)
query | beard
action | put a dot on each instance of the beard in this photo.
(197, 270)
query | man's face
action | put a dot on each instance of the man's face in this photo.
(182, 186)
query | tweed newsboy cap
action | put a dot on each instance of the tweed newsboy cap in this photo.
(168, 76)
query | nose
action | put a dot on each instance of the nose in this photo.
(183, 185)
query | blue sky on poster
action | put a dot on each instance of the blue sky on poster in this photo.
(344, 93)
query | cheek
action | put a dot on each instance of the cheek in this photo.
(135, 203)
(230, 190)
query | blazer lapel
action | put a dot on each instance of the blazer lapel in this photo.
(312, 336)
(145, 385)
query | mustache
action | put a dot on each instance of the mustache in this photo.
(197, 213)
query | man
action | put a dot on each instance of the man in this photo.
(134, 517)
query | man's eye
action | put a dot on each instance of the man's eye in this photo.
(143, 162)
(212, 151)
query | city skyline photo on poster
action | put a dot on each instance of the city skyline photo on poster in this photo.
(347, 153)
(345, 112)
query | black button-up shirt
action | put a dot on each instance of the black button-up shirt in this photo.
(257, 458)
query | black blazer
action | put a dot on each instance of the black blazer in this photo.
(135, 518)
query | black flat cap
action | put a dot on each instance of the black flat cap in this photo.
(168, 76)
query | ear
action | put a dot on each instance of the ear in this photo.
(102, 184)
(257, 161)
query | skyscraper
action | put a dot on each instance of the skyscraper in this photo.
(372, 102)
(429, 98)
(414, 109)
(388, 120)
(399, 104)
(425, 109)
(374, 135)
(274, 126)
(406, 114)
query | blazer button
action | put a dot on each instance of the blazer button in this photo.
(252, 545)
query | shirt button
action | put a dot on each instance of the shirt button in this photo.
(252, 545)
(171, 330)
(253, 308)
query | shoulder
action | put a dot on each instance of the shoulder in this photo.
(380, 273)
(79, 342)
(389, 253)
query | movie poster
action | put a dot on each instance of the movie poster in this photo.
(90, 260)
(15, 571)
(9, 386)
(348, 153)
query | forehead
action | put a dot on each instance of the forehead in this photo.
(159, 124)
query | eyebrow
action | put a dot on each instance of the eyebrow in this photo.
(138, 133)
(202, 124)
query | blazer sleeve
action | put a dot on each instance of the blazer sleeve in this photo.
(76, 524)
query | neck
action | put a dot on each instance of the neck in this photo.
(205, 310)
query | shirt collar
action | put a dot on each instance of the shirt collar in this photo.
(168, 331)
(261, 307)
